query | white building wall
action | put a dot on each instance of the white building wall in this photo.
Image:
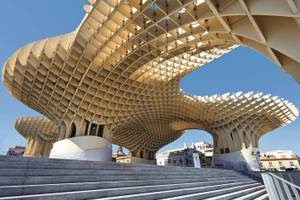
(83, 148)
(162, 161)
(179, 157)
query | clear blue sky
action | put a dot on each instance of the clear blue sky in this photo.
(24, 21)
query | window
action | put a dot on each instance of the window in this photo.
(86, 127)
(280, 164)
(73, 130)
(222, 151)
(93, 129)
(141, 154)
(271, 164)
(292, 164)
(227, 150)
(149, 155)
(100, 130)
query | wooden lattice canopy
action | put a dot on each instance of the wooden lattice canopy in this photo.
(122, 66)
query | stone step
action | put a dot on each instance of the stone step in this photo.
(38, 178)
(32, 160)
(66, 165)
(263, 197)
(252, 192)
(158, 191)
(18, 166)
(71, 164)
(253, 195)
(31, 180)
(200, 193)
(212, 194)
(18, 190)
(11, 162)
(67, 172)
(64, 171)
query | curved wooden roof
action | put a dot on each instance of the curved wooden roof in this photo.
(123, 64)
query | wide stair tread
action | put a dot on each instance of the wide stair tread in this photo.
(38, 178)
(263, 197)
(155, 192)
(64, 187)
(216, 193)
(252, 192)
(253, 195)
(199, 193)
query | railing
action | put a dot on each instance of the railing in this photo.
(291, 176)
(280, 189)
(280, 185)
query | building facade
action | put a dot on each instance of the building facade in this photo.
(16, 151)
(115, 79)
(279, 161)
(121, 157)
(183, 157)
(133, 160)
(207, 150)
(119, 153)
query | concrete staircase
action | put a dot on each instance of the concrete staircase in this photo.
(36, 178)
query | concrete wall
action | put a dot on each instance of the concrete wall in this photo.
(83, 148)
(244, 159)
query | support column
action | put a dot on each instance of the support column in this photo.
(244, 160)
(38, 147)
(62, 131)
(234, 149)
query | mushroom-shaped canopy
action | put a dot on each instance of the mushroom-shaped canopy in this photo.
(32, 126)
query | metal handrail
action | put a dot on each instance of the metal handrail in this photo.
(283, 180)
(280, 189)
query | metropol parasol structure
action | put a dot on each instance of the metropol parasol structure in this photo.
(115, 79)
